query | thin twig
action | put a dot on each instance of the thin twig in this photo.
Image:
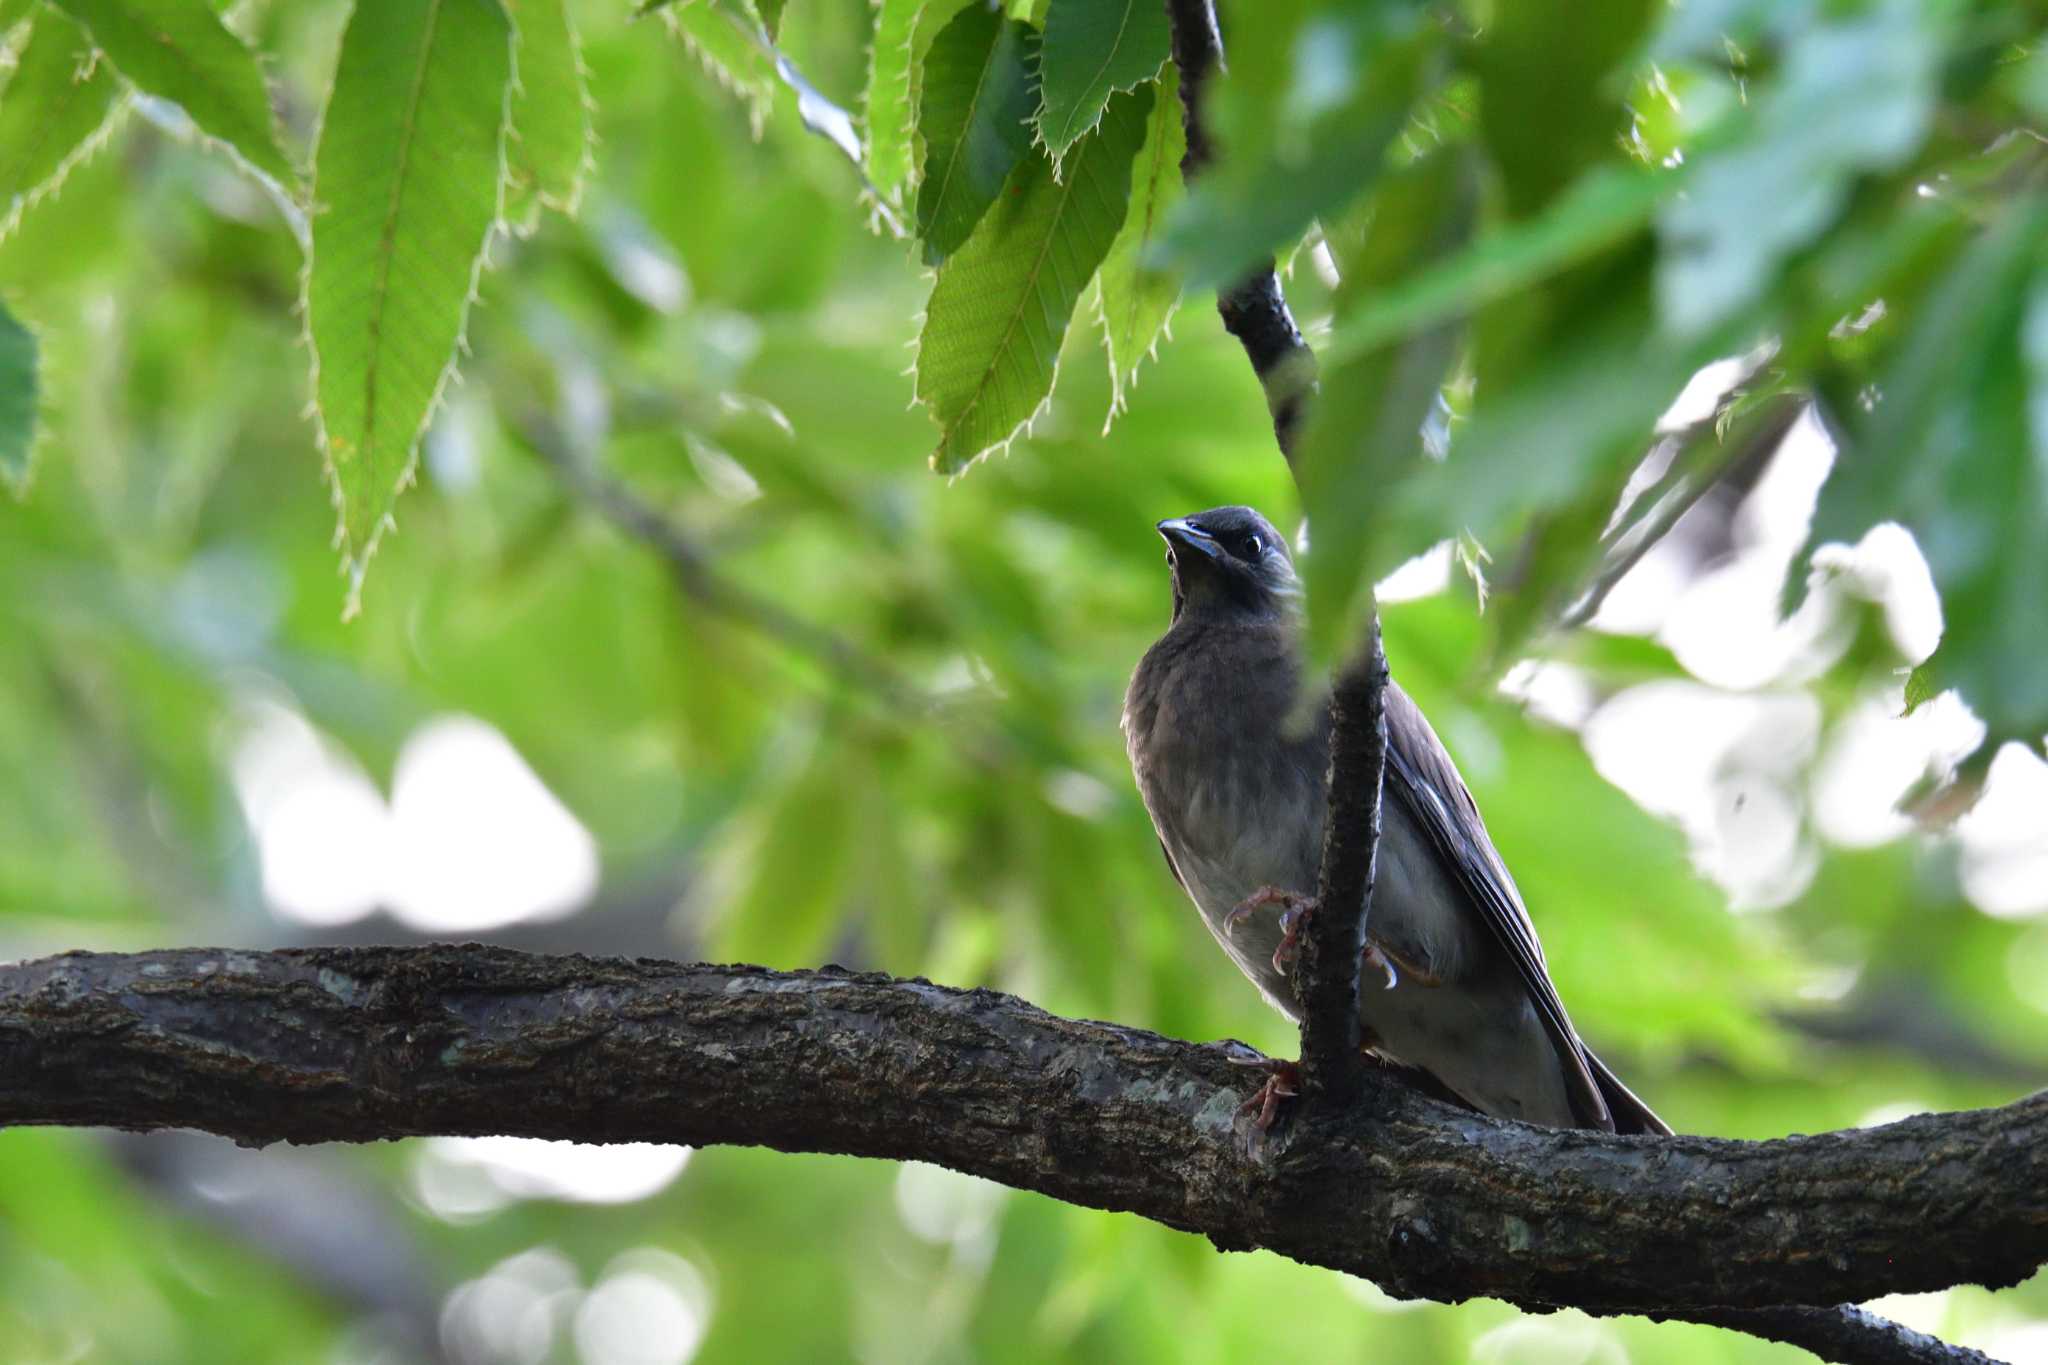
(702, 583)
(1255, 312)
(1763, 431)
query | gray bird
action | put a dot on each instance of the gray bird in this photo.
(1232, 768)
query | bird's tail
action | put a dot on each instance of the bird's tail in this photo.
(1631, 1115)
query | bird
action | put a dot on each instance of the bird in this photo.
(1229, 742)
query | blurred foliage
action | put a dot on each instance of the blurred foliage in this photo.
(1527, 226)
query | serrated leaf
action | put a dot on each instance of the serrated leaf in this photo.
(54, 109)
(407, 177)
(549, 155)
(978, 91)
(179, 50)
(17, 399)
(1093, 49)
(890, 112)
(727, 54)
(1952, 451)
(1001, 306)
(1314, 98)
(1137, 299)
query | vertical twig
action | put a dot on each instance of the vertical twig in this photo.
(1254, 310)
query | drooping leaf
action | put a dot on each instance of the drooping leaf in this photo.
(977, 92)
(17, 399)
(1347, 80)
(1364, 436)
(1091, 50)
(1137, 298)
(1002, 303)
(890, 115)
(179, 50)
(408, 176)
(549, 156)
(1856, 94)
(771, 16)
(55, 108)
(1952, 450)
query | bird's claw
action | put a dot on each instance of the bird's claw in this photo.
(1283, 1082)
(1295, 909)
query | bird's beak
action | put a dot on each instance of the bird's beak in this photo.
(1180, 531)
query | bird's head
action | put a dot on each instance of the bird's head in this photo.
(1229, 563)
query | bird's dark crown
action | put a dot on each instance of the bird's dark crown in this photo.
(1229, 562)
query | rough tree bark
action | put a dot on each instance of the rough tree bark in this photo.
(1429, 1201)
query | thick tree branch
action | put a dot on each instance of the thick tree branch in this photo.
(354, 1045)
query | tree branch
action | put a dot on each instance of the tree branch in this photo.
(701, 582)
(1326, 972)
(1254, 310)
(363, 1044)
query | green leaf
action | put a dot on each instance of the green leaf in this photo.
(407, 175)
(1550, 106)
(55, 109)
(1952, 450)
(978, 91)
(890, 112)
(1137, 299)
(785, 911)
(1365, 430)
(17, 399)
(1857, 94)
(1603, 209)
(1313, 100)
(179, 50)
(1093, 49)
(550, 154)
(771, 17)
(732, 59)
(1000, 308)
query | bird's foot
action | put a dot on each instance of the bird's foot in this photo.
(1283, 1082)
(1295, 908)
(1371, 956)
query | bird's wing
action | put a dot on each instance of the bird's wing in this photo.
(1173, 867)
(1421, 775)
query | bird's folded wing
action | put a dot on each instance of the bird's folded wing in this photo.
(1422, 777)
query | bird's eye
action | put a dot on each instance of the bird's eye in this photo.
(1253, 546)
